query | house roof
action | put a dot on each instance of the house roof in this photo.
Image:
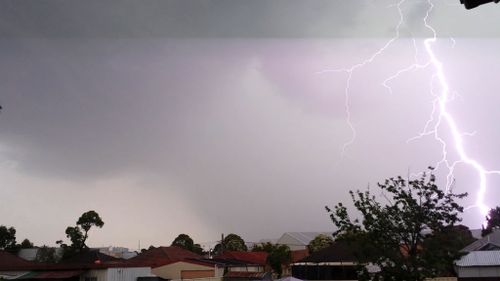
(246, 275)
(338, 252)
(60, 274)
(480, 258)
(160, 256)
(299, 254)
(12, 262)
(258, 258)
(301, 238)
(92, 259)
(492, 238)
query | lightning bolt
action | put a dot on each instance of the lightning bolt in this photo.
(439, 117)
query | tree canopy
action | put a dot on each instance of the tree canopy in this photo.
(78, 234)
(278, 255)
(393, 232)
(319, 242)
(492, 221)
(26, 244)
(186, 242)
(7, 237)
(232, 242)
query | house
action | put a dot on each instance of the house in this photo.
(296, 256)
(240, 266)
(236, 261)
(177, 263)
(481, 261)
(87, 266)
(12, 266)
(479, 266)
(299, 240)
(336, 262)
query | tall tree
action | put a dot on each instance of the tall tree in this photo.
(26, 244)
(78, 234)
(319, 242)
(46, 254)
(7, 237)
(437, 245)
(231, 242)
(86, 221)
(186, 242)
(391, 232)
(278, 255)
(492, 221)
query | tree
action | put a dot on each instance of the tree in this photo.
(26, 244)
(78, 234)
(7, 237)
(436, 247)
(86, 221)
(186, 242)
(232, 242)
(46, 254)
(278, 255)
(319, 242)
(492, 221)
(392, 235)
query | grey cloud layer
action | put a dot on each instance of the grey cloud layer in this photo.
(236, 18)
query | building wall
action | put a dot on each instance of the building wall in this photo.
(174, 270)
(324, 272)
(98, 274)
(195, 274)
(467, 272)
(128, 274)
(116, 274)
(246, 268)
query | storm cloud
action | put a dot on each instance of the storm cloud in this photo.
(213, 116)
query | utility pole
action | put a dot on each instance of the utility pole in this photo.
(222, 243)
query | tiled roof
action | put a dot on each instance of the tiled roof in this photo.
(160, 256)
(337, 252)
(492, 238)
(12, 262)
(299, 254)
(258, 258)
(245, 274)
(61, 274)
(480, 258)
(92, 259)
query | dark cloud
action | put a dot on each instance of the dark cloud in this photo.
(239, 133)
(186, 18)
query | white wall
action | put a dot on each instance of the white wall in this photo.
(117, 274)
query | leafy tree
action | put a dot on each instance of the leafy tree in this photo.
(26, 244)
(319, 242)
(278, 255)
(7, 238)
(232, 242)
(391, 234)
(86, 221)
(78, 234)
(436, 247)
(492, 221)
(186, 242)
(46, 254)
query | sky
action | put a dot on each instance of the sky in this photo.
(209, 117)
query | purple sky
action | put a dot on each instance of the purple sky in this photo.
(211, 117)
